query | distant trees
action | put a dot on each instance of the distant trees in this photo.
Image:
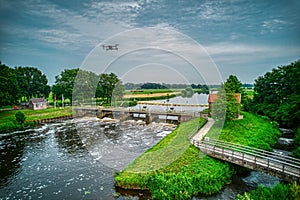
(277, 95)
(153, 86)
(81, 85)
(199, 87)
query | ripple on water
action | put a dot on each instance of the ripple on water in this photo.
(69, 160)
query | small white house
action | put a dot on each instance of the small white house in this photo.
(37, 103)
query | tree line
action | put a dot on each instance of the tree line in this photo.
(277, 95)
(22, 83)
(135, 86)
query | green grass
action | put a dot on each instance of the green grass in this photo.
(192, 173)
(174, 169)
(8, 120)
(252, 130)
(249, 93)
(150, 91)
(279, 192)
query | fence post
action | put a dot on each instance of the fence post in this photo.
(223, 152)
(268, 166)
(243, 158)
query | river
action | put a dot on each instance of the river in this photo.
(76, 159)
(60, 161)
(71, 160)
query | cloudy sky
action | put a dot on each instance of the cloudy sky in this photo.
(245, 38)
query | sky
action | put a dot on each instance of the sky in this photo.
(171, 41)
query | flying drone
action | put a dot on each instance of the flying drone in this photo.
(110, 47)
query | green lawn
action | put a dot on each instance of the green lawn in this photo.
(193, 173)
(151, 91)
(174, 169)
(8, 121)
(252, 131)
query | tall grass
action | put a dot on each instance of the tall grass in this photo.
(278, 192)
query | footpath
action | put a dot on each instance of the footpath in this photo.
(201, 133)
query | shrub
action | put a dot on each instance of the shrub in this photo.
(279, 192)
(20, 117)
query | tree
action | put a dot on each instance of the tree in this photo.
(187, 92)
(64, 83)
(32, 82)
(218, 108)
(106, 86)
(277, 95)
(85, 86)
(233, 85)
(9, 89)
(20, 117)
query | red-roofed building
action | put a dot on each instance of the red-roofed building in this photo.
(214, 96)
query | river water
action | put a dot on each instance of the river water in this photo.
(72, 160)
(76, 159)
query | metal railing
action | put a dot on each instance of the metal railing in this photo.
(282, 166)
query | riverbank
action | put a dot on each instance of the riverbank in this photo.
(191, 175)
(33, 117)
(172, 169)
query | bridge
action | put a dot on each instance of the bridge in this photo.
(284, 167)
(143, 114)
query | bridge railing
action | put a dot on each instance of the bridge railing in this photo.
(252, 157)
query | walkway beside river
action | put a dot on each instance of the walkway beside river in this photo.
(201, 133)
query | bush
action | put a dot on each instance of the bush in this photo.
(20, 117)
(279, 192)
(296, 152)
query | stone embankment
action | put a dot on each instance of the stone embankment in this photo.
(53, 119)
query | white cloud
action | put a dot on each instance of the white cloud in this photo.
(273, 25)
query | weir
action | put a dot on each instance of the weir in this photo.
(146, 115)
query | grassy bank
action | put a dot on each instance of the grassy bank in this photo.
(252, 130)
(173, 169)
(8, 121)
(192, 174)
(279, 192)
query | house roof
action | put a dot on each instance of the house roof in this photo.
(37, 100)
(213, 97)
